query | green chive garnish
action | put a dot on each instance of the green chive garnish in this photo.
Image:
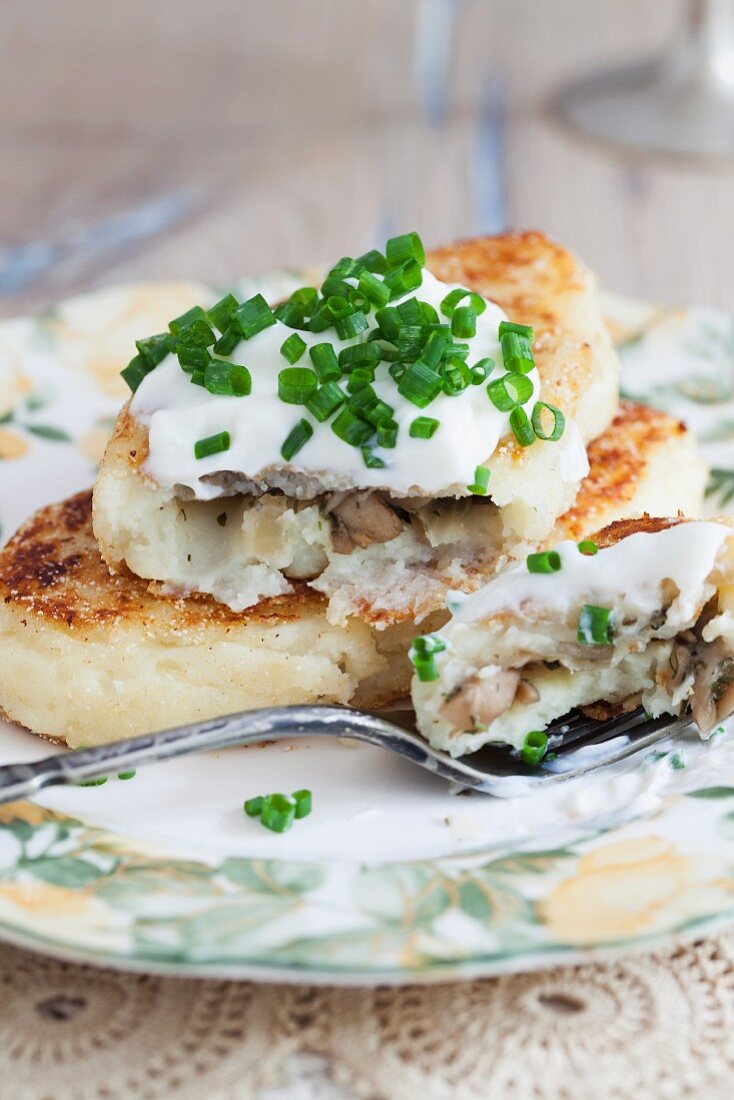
(452, 299)
(228, 379)
(480, 483)
(464, 322)
(596, 626)
(387, 433)
(371, 460)
(509, 391)
(588, 547)
(293, 348)
(520, 330)
(517, 352)
(378, 413)
(408, 246)
(135, 372)
(422, 656)
(253, 316)
(303, 801)
(372, 261)
(296, 385)
(534, 747)
(351, 325)
(521, 427)
(481, 370)
(154, 348)
(296, 438)
(456, 377)
(325, 362)
(278, 812)
(349, 426)
(326, 401)
(130, 774)
(403, 279)
(389, 322)
(559, 421)
(92, 782)
(253, 806)
(424, 427)
(357, 355)
(193, 328)
(212, 445)
(220, 315)
(192, 358)
(374, 289)
(546, 561)
(420, 384)
(228, 341)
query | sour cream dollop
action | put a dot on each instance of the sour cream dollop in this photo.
(178, 414)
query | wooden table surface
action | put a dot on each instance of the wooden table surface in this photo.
(173, 138)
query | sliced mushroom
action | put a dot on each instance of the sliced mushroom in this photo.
(713, 687)
(358, 519)
(481, 699)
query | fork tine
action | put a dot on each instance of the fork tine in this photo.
(566, 735)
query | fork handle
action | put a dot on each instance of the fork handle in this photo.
(244, 728)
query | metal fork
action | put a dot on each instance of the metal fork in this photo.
(493, 770)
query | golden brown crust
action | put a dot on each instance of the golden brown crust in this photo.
(618, 462)
(623, 528)
(52, 568)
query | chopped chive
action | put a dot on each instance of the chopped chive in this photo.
(228, 379)
(374, 289)
(197, 377)
(326, 401)
(222, 519)
(420, 384)
(220, 314)
(509, 391)
(559, 421)
(325, 362)
(387, 434)
(92, 782)
(360, 378)
(358, 300)
(135, 372)
(410, 342)
(408, 246)
(402, 280)
(192, 358)
(306, 298)
(296, 385)
(297, 437)
(424, 427)
(373, 261)
(379, 413)
(278, 812)
(228, 341)
(350, 427)
(193, 328)
(534, 747)
(521, 427)
(363, 399)
(481, 370)
(253, 806)
(433, 349)
(452, 299)
(588, 547)
(371, 460)
(212, 445)
(303, 800)
(290, 314)
(464, 322)
(410, 312)
(520, 330)
(359, 355)
(596, 625)
(334, 285)
(320, 319)
(428, 643)
(546, 561)
(293, 348)
(154, 348)
(517, 352)
(389, 352)
(337, 305)
(389, 321)
(351, 325)
(456, 377)
(129, 774)
(481, 482)
(253, 316)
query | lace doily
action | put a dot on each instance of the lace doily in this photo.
(655, 1026)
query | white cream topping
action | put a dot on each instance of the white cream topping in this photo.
(627, 575)
(178, 414)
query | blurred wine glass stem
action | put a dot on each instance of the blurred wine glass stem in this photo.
(680, 103)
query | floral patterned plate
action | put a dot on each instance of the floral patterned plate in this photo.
(392, 878)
